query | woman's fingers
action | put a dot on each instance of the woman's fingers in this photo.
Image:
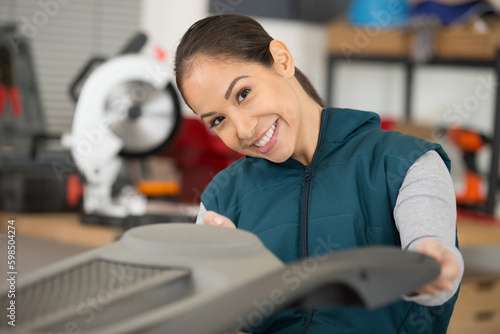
(215, 219)
(429, 290)
(450, 269)
(435, 287)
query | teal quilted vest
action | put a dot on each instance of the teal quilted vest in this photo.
(344, 199)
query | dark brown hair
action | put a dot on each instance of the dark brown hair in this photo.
(231, 36)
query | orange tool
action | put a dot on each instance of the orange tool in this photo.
(158, 188)
(470, 142)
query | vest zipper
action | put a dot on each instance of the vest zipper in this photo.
(304, 232)
(304, 219)
(305, 212)
(310, 314)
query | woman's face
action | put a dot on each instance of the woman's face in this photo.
(255, 110)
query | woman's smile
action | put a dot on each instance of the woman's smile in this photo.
(266, 141)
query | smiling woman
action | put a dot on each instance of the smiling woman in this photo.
(314, 174)
(249, 106)
(241, 82)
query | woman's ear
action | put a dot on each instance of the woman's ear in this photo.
(283, 60)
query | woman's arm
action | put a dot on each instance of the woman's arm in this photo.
(425, 215)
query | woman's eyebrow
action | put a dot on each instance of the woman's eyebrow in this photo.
(208, 114)
(228, 93)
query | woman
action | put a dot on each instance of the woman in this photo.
(314, 175)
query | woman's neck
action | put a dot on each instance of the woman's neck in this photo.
(307, 140)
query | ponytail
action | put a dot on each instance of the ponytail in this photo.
(309, 88)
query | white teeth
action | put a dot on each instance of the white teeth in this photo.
(267, 136)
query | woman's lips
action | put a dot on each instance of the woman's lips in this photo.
(265, 144)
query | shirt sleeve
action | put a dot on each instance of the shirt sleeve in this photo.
(426, 208)
(201, 214)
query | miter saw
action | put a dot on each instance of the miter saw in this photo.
(127, 107)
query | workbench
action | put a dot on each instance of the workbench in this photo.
(60, 227)
(67, 228)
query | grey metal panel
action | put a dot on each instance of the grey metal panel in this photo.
(204, 279)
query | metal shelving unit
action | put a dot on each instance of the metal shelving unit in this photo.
(409, 68)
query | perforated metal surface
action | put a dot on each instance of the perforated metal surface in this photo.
(89, 286)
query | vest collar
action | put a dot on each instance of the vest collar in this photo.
(336, 126)
(342, 123)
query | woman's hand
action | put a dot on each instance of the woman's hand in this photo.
(215, 219)
(450, 269)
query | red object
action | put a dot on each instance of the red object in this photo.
(387, 123)
(12, 94)
(3, 91)
(161, 54)
(74, 190)
(200, 155)
(8, 88)
(480, 217)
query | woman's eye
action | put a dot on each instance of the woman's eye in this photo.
(216, 121)
(242, 95)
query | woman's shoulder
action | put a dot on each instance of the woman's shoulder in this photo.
(359, 134)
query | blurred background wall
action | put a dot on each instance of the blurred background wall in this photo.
(439, 92)
(66, 33)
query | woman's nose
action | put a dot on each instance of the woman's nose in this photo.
(245, 127)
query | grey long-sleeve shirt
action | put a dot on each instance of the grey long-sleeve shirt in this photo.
(425, 208)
